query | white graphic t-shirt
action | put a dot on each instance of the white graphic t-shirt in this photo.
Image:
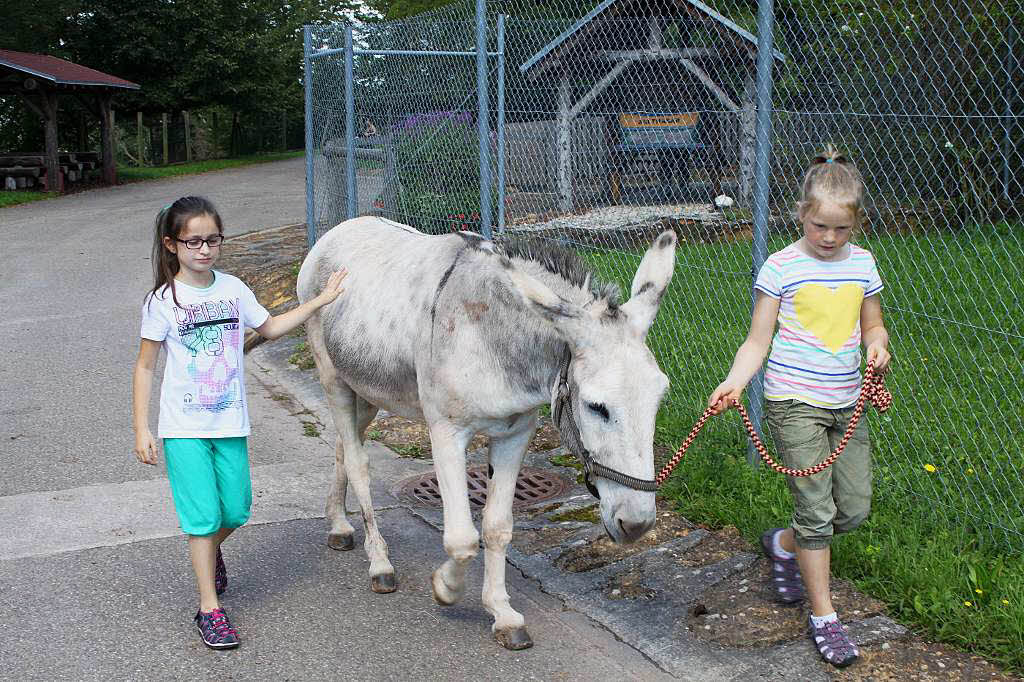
(203, 392)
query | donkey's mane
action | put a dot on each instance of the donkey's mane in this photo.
(563, 262)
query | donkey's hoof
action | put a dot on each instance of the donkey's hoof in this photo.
(443, 595)
(514, 638)
(340, 542)
(384, 583)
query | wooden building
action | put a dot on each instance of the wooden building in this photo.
(41, 80)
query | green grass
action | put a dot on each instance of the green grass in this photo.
(13, 198)
(954, 306)
(133, 174)
(128, 174)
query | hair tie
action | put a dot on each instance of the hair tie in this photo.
(829, 160)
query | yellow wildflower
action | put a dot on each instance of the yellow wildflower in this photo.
(967, 603)
(1006, 602)
(979, 590)
(970, 471)
(929, 468)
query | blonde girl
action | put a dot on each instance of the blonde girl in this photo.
(820, 298)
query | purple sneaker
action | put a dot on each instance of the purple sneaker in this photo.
(220, 574)
(216, 629)
(833, 643)
(787, 583)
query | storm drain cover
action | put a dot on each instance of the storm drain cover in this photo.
(532, 486)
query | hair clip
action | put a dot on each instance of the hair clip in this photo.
(829, 160)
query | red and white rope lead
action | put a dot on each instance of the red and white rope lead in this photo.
(873, 389)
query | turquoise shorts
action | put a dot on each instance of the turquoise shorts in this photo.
(210, 482)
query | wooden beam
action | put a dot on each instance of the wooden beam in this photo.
(107, 139)
(704, 78)
(659, 54)
(54, 178)
(37, 108)
(563, 144)
(598, 88)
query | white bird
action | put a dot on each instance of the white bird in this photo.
(723, 201)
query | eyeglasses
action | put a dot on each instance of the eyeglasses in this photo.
(197, 243)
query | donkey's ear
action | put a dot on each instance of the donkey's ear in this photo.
(567, 317)
(650, 282)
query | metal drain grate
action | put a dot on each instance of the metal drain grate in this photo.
(532, 486)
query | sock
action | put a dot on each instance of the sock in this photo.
(777, 548)
(830, 618)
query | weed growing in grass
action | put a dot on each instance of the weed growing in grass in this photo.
(302, 357)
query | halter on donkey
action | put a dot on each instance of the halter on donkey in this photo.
(473, 338)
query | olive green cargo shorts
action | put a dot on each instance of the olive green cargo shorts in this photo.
(838, 499)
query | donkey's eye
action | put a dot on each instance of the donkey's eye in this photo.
(599, 408)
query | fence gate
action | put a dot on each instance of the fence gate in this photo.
(413, 153)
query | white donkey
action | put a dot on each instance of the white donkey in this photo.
(473, 337)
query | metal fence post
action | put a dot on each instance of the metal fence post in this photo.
(501, 124)
(762, 166)
(483, 124)
(351, 199)
(307, 77)
(1009, 98)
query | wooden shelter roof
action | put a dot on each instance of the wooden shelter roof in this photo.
(59, 71)
(567, 42)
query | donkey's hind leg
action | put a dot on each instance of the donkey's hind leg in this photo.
(351, 417)
(339, 536)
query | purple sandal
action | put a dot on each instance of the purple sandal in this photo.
(833, 643)
(786, 582)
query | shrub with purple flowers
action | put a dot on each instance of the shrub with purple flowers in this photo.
(438, 163)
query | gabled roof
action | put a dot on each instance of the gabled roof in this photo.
(60, 71)
(741, 33)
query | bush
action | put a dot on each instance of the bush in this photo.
(438, 164)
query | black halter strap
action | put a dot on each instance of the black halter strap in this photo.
(568, 429)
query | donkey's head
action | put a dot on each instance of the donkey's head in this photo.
(612, 386)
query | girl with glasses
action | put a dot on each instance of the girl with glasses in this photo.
(199, 315)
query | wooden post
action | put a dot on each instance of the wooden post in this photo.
(138, 135)
(563, 145)
(107, 139)
(748, 119)
(83, 136)
(54, 178)
(284, 130)
(188, 137)
(163, 118)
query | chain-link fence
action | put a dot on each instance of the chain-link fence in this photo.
(611, 121)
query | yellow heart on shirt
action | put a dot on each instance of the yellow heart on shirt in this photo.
(830, 314)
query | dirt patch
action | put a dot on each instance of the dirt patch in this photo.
(410, 438)
(540, 539)
(628, 586)
(918, 660)
(719, 545)
(604, 551)
(740, 611)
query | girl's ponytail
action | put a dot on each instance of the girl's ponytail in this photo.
(831, 176)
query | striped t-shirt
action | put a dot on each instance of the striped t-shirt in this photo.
(815, 355)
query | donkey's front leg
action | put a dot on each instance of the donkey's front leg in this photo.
(506, 456)
(461, 540)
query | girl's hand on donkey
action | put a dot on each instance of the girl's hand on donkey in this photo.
(722, 397)
(145, 448)
(333, 288)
